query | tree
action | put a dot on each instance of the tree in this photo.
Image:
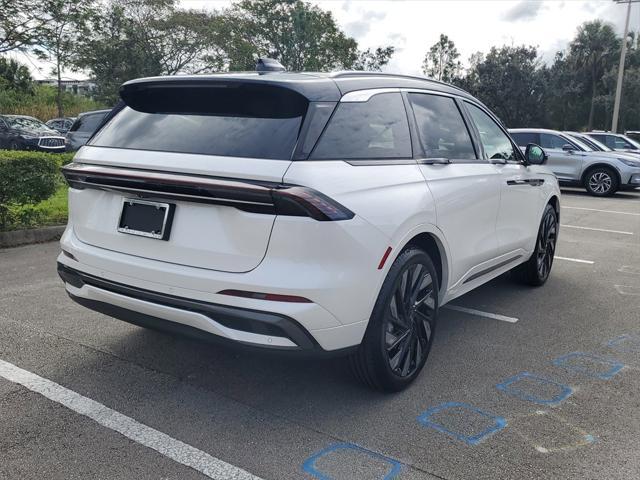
(15, 76)
(511, 73)
(58, 37)
(564, 99)
(139, 38)
(374, 60)
(20, 23)
(301, 36)
(441, 62)
(594, 50)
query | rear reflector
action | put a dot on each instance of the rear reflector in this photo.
(384, 258)
(265, 296)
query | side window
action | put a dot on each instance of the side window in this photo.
(375, 129)
(610, 140)
(622, 143)
(523, 139)
(496, 143)
(442, 131)
(551, 141)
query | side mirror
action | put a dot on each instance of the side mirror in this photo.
(568, 148)
(535, 155)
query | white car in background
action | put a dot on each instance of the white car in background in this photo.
(329, 213)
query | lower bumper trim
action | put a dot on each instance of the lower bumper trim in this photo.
(246, 320)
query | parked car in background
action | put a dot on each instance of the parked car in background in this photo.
(83, 127)
(576, 163)
(298, 212)
(61, 125)
(617, 142)
(633, 135)
(20, 132)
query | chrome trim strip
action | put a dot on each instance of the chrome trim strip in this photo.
(365, 95)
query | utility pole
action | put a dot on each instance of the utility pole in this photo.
(623, 54)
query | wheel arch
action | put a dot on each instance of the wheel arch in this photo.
(608, 166)
(431, 243)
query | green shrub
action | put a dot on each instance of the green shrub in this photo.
(27, 178)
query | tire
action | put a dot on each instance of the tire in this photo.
(400, 333)
(14, 145)
(536, 270)
(601, 182)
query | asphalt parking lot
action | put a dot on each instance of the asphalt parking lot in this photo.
(544, 386)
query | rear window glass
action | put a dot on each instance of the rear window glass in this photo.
(88, 123)
(375, 129)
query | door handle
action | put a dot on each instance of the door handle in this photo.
(533, 182)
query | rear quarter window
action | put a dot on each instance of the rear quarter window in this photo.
(376, 129)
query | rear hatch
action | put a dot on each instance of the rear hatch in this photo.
(206, 154)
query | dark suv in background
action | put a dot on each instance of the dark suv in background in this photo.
(82, 129)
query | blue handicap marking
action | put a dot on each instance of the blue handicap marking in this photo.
(625, 343)
(589, 364)
(533, 388)
(462, 421)
(347, 460)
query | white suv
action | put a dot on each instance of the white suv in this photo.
(303, 212)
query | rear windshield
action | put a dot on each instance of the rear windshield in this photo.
(88, 123)
(232, 122)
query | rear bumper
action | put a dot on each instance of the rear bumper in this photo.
(192, 318)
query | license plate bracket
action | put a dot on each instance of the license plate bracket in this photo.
(146, 219)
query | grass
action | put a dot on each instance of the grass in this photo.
(52, 211)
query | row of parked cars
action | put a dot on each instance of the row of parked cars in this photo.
(21, 132)
(601, 162)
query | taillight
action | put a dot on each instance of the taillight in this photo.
(265, 296)
(297, 200)
(250, 196)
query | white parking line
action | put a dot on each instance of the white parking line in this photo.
(149, 437)
(480, 313)
(576, 260)
(628, 290)
(597, 229)
(603, 211)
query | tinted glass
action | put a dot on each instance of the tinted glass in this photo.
(525, 138)
(548, 140)
(232, 136)
(606, 139)
(622, 143)
(441, 129)
(88, 123)
(24, 122)
(496, 143)
(376, 129)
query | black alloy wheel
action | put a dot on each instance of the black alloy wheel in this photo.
(408, 321)
(536, 270)
(402, 326)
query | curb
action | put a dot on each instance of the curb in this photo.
(15, 238)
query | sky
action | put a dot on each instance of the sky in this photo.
(412, 26)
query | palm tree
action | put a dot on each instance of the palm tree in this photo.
(594, 50)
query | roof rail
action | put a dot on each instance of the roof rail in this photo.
(364, 73)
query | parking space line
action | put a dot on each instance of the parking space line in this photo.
(480, 313)
(597, 229)
(603, 211)
(576, 260)
(149, 437)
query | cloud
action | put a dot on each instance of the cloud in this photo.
(357, 29)
(524, 10)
